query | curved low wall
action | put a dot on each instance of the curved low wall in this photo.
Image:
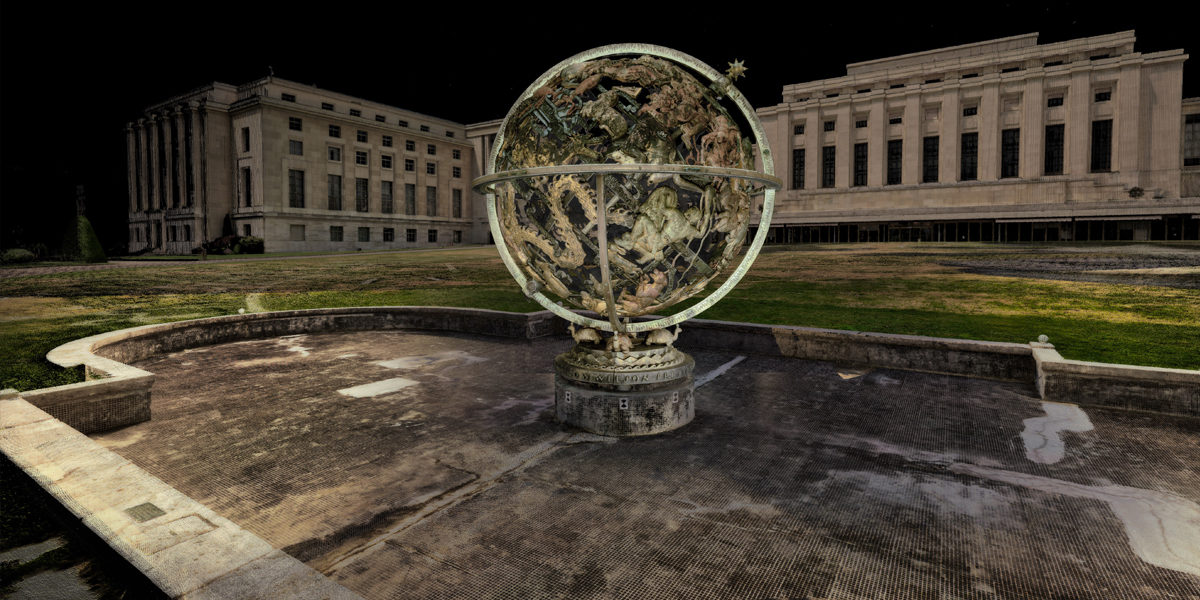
(117, 394)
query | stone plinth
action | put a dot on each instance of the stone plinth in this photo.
(643, 391)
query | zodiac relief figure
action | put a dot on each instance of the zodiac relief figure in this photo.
(659, 224)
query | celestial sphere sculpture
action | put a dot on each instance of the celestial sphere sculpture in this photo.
(621, 185)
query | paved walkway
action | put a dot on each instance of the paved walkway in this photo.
(413, 465)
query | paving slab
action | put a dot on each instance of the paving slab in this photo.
(444, 475)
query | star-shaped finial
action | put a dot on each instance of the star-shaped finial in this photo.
(736, 69)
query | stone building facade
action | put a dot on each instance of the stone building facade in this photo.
(300, 167)
(1004, 140)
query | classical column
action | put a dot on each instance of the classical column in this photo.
(181, 149)
(948, 170)
(143, 170)
(812, 147)
(168, 144)
(1033, 129)
(1127, 96)
(845, 149)
(1078, 121)
(989, 130)
(877, 124)
(913, 144)
(199, 173)
(154, 199)
(131, 166)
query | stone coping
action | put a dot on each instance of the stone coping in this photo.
(185, 548)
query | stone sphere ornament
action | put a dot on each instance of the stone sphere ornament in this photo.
(622, 184)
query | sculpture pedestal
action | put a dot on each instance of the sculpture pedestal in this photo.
(643, 391)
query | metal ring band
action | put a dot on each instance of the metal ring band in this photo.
(483, 184)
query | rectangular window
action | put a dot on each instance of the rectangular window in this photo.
(410, 235)
(797, 129)
(929, 170)
(1010, 69)
(1191, 140)
(295, 124)
(1055, 136)
(361, 136)
(410, 200)
(246, 229)
(431, 201)
(861, 123)
(335, 192)
(895, 160)
(456, 171)
(797, 168)
(389, 234)
(449, 134)
(326, 106)
(1054, 101)
(245, 139)
(295, 188)
(402, 123)
(296, 233)
(296, 147)
(410, 145)
(335, 154)
(1010, 152)
(364, 234)
(860, 163)
(828, 160)
(456, 204)
(1102, 146)
(362, 198)
(431, 149)
(246, 195)
(425, 128)
(457, 239)
(360, 157)
(354, 112)
(387, 141)
(1104, 96)
(410, 164)
(456, 154)
(335, 131)
(433, 235)
(385, 198)
(970, 111)
(970, 157)
(187, 233)
(385, 161)
(381, 118)
(431, 168)
(829, 125)
(335, 233)
(288, 97)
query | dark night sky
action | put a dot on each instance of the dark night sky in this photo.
(71, 78)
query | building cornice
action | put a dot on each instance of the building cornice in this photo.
(247, 104)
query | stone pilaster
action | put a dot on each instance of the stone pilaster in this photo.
(989, 132)
(181, 149)
(1033, 129)
(130, 165)
(154, 198)
(948, 155)
(168, 144)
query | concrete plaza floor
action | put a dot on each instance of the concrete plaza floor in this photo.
(419, 465)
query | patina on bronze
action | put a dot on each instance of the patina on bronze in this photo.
(620, 184)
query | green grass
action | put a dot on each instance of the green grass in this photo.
(899, 288)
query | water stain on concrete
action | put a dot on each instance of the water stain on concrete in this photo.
(377, 388)
(1043, 435)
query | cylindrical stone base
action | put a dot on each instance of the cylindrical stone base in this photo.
(625, 403)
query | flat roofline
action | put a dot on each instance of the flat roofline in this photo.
(1029, 38)
(346, 97)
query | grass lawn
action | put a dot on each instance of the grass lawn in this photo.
(894, 288)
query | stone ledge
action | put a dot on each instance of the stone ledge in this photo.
(1132, 387)
(187, 550)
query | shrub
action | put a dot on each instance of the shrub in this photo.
(90, 249)
(16, 255)
(249, 245)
